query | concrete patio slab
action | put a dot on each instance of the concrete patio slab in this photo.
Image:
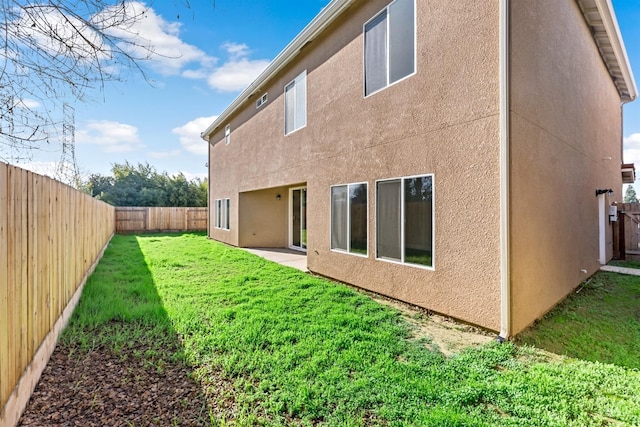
(288, 257)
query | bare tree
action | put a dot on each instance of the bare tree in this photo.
(51, 51)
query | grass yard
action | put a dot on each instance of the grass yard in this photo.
(599, 323)
(301, 350)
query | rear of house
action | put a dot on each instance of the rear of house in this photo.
(404, 146)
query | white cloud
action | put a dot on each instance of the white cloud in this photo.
(632, 149)
(42, 168)
(189, 134)
(164, 154)
(238, 72)
(150, 36)
(114, 137)
(73, 38)
(28, 104)
(191, 176)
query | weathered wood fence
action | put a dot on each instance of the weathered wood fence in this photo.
(140, 219)
(51, 237)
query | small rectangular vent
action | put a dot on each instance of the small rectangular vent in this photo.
(262, 100)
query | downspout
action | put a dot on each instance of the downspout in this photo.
(505, 276)
(209, 187)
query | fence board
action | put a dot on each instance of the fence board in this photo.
(13, 268)
(50, 235)
(5, 382)
(141, 219)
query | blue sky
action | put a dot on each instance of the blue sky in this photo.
(212, 49)
(628, 14)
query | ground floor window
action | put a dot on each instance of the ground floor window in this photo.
(404, 220)
(221, 213)
(349, 225)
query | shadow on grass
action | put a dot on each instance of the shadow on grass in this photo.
(600, 322)
(120, 357)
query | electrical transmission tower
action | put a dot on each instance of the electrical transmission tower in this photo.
(67, 169)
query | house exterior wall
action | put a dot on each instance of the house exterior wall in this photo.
(444, 120)
(565, 141)
(263, 219)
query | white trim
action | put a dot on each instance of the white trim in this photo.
(415, 50)
(326, 16)
(348, 251)
(617, 43)
(227, 134)
(402, 261)
(505, 266)
(209, 192)
(601, 18)
(602, 229)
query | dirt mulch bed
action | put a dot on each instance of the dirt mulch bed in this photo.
(99, 388)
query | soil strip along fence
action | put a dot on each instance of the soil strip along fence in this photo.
(51, 237)
(141, 219)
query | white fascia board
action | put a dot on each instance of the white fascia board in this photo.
(617, 44)
(326, 16)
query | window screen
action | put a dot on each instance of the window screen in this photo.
(349, 222)
(404, 220)
(295, 104)
(389, 46)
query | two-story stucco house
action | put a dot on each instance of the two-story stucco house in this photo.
(444, 153)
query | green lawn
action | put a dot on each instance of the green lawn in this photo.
(599, 323)
(302, 350)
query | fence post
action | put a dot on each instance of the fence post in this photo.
(622, 241)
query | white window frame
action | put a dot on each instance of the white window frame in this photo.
(402, 222)
(262, 100)
(415, 50)
(221, 214)
(295, 82)
(227, 135)
(348, 251)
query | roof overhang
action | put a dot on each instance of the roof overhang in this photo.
(601, 18)
(628, 173)
(326, 16)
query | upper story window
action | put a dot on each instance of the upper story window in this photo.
(295, 104)
(227, 134)
(389, 46)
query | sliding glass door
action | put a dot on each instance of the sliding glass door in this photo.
(298, 218)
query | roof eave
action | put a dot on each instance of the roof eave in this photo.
(326, 16)
(607, 36)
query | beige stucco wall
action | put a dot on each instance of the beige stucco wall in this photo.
(444, 120)
(565, 142)
(263, 218)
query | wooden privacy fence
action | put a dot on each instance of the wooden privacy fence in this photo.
(51, 237)
(140, 219)
(626, 232)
